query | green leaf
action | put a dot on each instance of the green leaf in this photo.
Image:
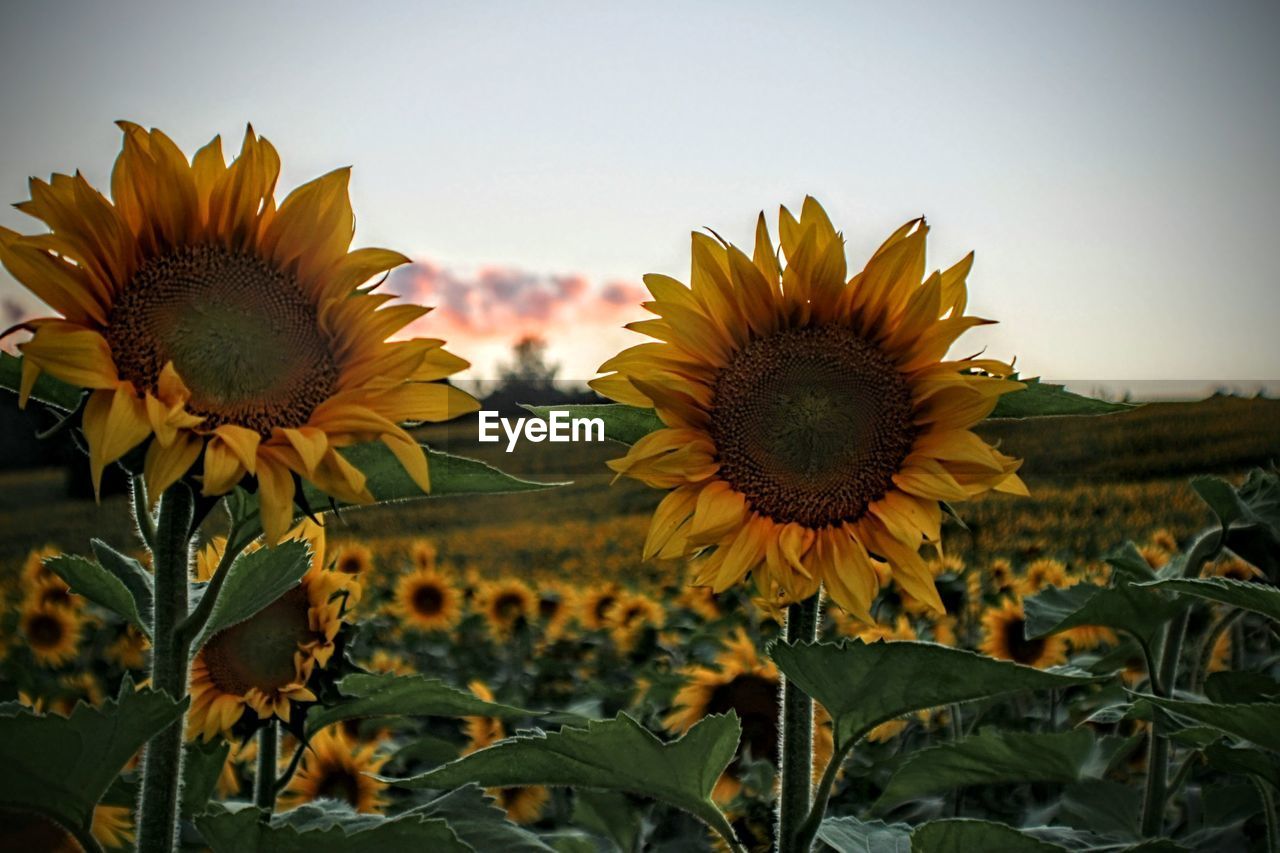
(61, 766)
(52, 392)
(1042, 399)
(1128, 560)
(1257, 722)
(1127, 607)
(201, 767)
(994, 757)
(1230, 688)
(130, 572)
(850, 835)
(865, 684)
(610, 814)
(256, 579)
(1100, 805)
(1256, 597)
(963, 835)
(1221, 497)
(478, 821)
(87, 578)
(368, 695)
(616, 755)
(1245, 762)
(244, 831)
(624, 424)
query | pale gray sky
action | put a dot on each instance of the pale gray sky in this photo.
(1116, 166)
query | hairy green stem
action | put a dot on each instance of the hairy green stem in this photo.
(1220, 627)
(1163, 684)
(170, 657)
(142, 515)
(796, 734)
(1268, 813)
(193, 624)
(264, 781)
(809, 829)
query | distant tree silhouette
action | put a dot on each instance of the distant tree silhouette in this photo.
(529, 378)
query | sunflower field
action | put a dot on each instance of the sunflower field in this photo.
(824, 586)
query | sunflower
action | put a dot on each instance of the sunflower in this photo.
(740, 680)
(112, 828)
(632, 615)
(506, 605)
(423, 553)
(427, 601)
(1042, 573)
(1235, 569)
(1004, 637)
(52, 633)
(388, 663)
(34, 568)
(1001, 572)
(482, 731)
(197, 311)
(353, 559)
(596, 603)
(700, 600)
(557, 604)
(812, 423)
(264, 662)
(53, 592)
(336, 769)
(129, 649)
(1085, 637)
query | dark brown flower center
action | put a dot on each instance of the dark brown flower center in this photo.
(756, 701)
(1022, 650)
(811, 424)
(259, 651)
(241, 334)
(339, 783)
(508, 606)
(428, 599)
(45, 631)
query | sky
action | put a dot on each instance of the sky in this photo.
(1114, 166)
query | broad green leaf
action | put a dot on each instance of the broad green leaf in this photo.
(63, 765)
(1137, 610)
(136, 578)
(52, 392)
(368, 695)
(625, 424)
(616, 755)
(865, 684)
(87, 578)
(1256, 597)
(1100, 805)
(994, 757)
(245, 831)
(610, 814)
(850, 835)
(1221, 497)
(1230, 688)
(1245, 762)
(200, 770)
(963, 835)
(256, 579)
(1257, 722)
(1042, 399)
(478, 821)
(1129, 560)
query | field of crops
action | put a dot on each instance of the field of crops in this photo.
(540, 601)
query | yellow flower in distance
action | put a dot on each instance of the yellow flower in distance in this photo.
(427, 601)
(206, 318)
(1004, 636)
(813, 423)
(51, 632)
(334, 767)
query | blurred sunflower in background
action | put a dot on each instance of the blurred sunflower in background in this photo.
(210, 322)
(336, 768)
(812, 422)
(52, 633)
(264, 662)
(353, 559)
(425, 600)
(596, 603)
(523, 804)
(1004, 636)
(507, 604)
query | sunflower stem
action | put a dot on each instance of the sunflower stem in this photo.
(1163, 683)
(162, 764)
(796, 734)
(264, 781)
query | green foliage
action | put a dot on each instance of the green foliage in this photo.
(479, 822)
(87, 578)
(995, 756)
(617, 754)
(255, 580)
(200, 770)
(131, 574)
(1257, 722)
(1243, 594)
(62, 766)
(964, 835)
(865, 684)
(366, 695)
(610, 814)
(625, 424)
(324, 830)
(1043, 399)
(1137, 610)
(849, 835)
(52, 392)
